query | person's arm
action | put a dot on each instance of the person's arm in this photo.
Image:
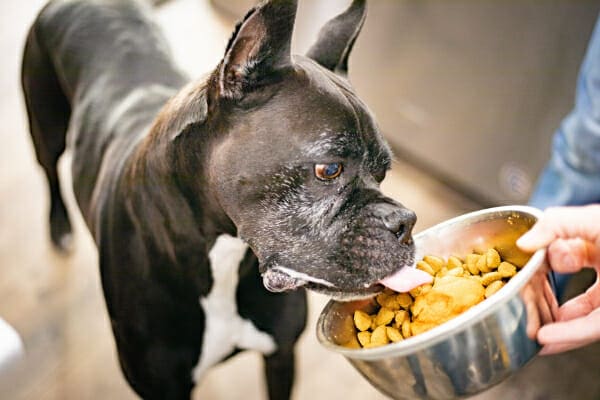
(572, 175)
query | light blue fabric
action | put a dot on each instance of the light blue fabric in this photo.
(572, 176)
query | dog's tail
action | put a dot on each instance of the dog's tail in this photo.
(48, 111)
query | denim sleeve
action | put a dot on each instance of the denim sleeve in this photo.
(572, 176)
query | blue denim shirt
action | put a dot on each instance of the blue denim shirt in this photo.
(572, 176)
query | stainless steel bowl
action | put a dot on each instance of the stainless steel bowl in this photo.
(478, 348)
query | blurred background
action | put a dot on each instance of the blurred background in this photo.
(468, 93)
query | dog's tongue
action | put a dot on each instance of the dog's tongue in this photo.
(407, 278)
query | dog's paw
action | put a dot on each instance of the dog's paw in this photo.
(60, 233)
(64, 243)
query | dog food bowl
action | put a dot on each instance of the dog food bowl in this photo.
(475, 350)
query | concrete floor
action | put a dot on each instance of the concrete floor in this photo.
(55, 301)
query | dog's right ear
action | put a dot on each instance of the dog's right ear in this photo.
(258, 48)
(337, 37)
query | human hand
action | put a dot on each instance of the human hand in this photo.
(572, 235)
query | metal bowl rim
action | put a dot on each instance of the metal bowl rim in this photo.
(460, 323)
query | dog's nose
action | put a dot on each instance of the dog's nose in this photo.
(399, 221)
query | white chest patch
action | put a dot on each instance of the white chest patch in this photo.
(224, 329)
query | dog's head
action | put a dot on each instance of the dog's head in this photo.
(299, 158)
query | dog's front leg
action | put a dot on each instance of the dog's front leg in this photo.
(279, 369)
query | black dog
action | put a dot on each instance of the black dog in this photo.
(201, 195)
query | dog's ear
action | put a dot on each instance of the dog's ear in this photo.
(258, 48)
(337, 37)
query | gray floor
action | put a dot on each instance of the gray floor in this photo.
(56, 305)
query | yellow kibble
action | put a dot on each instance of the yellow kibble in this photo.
(400, 317)
(436, 280)
(415, 292)
(364, 338)
(442, 272)
(425, 267)
(384, 316)
(490, 277)
(471, 263)
(425, 288)
(393, 334)
(391, 303)
(379, 336)
(382, 298)
(454, 262)
(436, 262)
(362, 320)
(482, 264)
(373, 323)
(406, 329)
(404, 300)
(418, 327)
(492, 259)
(507, 269)
(493, 288)
(457, 271)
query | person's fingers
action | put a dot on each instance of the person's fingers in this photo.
(581, 305)
(561, 348)
(533, 316)
(549, 298)
(540, 302)
(565, 223)
(570, 255)
(563, 336)
(533, 320)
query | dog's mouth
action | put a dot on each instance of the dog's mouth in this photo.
(348, 261)
(280, 279)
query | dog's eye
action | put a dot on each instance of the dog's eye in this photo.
(328, 171)
(380, 175)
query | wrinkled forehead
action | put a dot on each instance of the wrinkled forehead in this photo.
(312, 116)
(324, 114)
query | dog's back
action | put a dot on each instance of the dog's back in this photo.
(112, 39)
(102, 60)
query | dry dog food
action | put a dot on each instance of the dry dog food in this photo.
(458, 285)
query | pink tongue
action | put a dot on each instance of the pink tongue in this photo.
(407, 278)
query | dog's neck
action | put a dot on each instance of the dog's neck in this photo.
(166, 185)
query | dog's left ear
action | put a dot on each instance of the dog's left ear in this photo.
(259, 47)
(337, 37)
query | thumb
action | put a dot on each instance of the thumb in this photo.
(565, 223)
(537, 237)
